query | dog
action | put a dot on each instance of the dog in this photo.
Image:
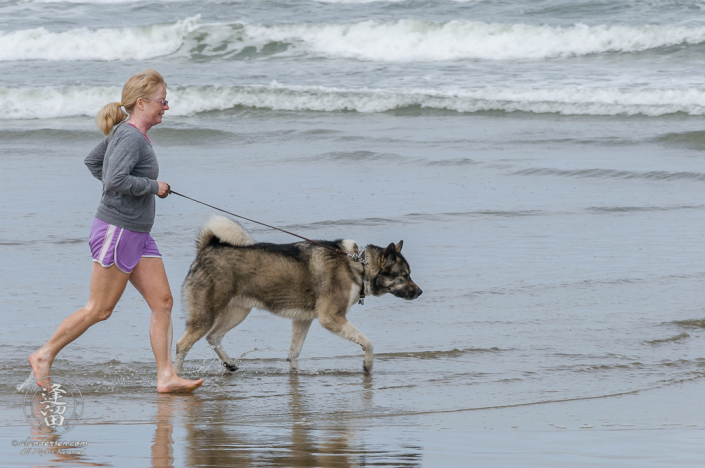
(301, 281)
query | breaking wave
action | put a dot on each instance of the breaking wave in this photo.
(406, 40)
(96, 44)
(359, 1)
(52, 102)
(100, 2)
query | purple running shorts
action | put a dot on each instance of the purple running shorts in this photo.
(112, 244)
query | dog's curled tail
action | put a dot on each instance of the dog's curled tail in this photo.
(225, 230)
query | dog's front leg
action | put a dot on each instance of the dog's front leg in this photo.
(339, 325)
(298, 335)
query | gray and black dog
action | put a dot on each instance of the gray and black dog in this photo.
(301, 281)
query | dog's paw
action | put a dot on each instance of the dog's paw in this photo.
(367, 368)
(293, 365)
(230, 367)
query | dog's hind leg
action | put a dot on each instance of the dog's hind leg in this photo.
(298, 335)
(230, 318)
(339, 325)
(195, 330)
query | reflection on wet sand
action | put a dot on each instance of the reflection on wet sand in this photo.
(162, 449)
(216, 437)
(302, 447)
(55, 445)
(60, 455)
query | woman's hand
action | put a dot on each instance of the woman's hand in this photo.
(164, 190)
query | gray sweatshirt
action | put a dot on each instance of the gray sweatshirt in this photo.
(127, 165)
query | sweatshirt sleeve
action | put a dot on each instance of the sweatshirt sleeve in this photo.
(123, 158)
(94, 160)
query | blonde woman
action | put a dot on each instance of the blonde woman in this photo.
(122, 247)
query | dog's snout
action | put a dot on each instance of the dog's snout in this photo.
(414, 293)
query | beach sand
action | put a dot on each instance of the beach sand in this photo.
(203, 430)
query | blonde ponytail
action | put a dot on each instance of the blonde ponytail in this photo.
(142, 85)
(109, 116)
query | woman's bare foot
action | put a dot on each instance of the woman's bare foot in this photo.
(176, 384)
(41, 365)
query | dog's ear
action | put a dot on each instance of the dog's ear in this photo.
(399, 246)
(389, 256)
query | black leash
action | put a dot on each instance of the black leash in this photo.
(356, 257)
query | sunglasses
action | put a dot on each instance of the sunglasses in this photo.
(161, 102)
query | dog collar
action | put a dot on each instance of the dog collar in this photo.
(362, 258)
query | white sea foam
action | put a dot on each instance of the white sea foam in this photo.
(401, 41)
(212, 1)
(48, 102)
(234, 1)
(98, 44)
(99, 2)
(41, 103)
(421, 40)
(359, 1)
(29, 383)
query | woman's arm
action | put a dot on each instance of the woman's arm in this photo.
(94, 160)
(123, 158)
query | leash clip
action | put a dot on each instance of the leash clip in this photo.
(359, 257)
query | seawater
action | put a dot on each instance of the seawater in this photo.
(542, 162)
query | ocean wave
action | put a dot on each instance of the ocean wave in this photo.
(359, 156)
(49, 134)
(96, 2)
(672, 339)
(109, 2)
(405, 219)
(406, 40)
(636, 209)
(689, 324)
(450, 354)
(693, 140)
(48, 102)
(99, 2)
(615, 174)
(51, 102)
(96, 44)
(359, 2)
(421, 40)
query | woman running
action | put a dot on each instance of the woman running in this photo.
(120, 241)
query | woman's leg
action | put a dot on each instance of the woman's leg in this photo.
(149, 278)
(107, 286)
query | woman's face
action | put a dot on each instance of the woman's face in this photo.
(154, 107)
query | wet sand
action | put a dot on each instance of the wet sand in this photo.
(204, 430)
